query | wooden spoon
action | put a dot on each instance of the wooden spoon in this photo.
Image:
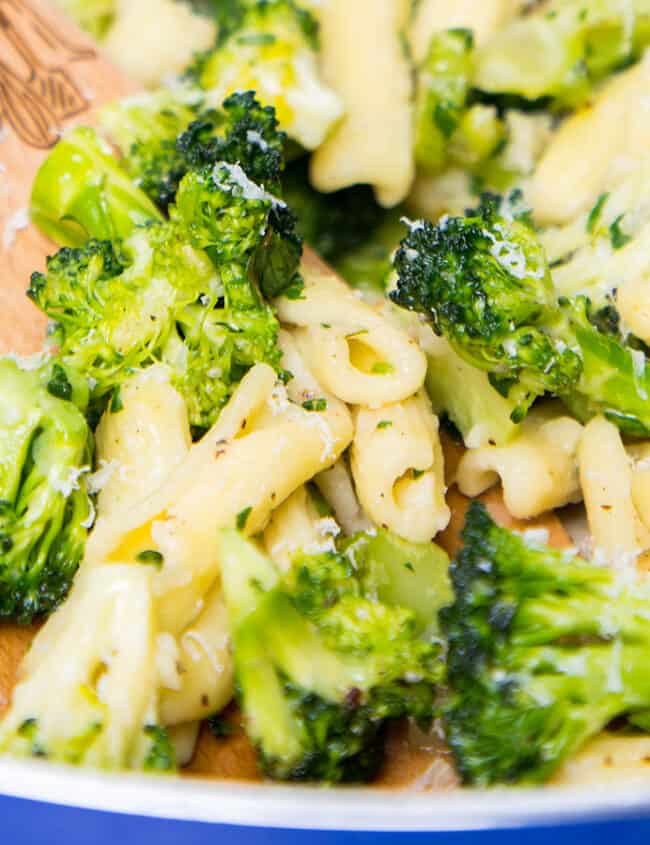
(51, 75)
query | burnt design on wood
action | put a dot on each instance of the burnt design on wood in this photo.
(37, 93)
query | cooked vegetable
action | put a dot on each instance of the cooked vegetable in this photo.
(479, 412)
(164, 134)
(45, 514)
(95, 16)
(321, 664)
(484, 283)
(269, 46)
(560, 50)
(81, 192)
(544, 649)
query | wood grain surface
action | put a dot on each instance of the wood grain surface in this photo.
(51, 76)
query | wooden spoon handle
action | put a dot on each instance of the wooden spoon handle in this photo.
(51, 75)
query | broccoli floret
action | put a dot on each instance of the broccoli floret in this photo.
(449, 128)
(45, 513)
(81, 192)
(559, 51)
(239, 222)
(481, 415)
(102, 710)
(484, 283)
(544, 650)
(165, 134)
(443, 85)
(400, 573)
(181, 291)
(94, 16)
(145, 129)
(321, 664)
(269, 46)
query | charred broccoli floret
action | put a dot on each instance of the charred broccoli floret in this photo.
(544, 649)
(321, 664)
(45, 512)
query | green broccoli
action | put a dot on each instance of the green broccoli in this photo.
(449, 129)
(544, 649)
(270, 46)
(321, 664)
(81, 192)
(178, 291)
(481, 415)
(45, 512)
(400, 573)
(559, 51)
(102, 710)
(94, 16)
(484, 283)
(163, 135)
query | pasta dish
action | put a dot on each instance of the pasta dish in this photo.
(335, 463)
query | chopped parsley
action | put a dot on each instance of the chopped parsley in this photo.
(594, 214)
(242, 518)
(315, 405)
(151, 557)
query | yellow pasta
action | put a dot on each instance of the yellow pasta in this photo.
(605, 478)
(296, 525)
(577, 164)
(96, 653)
(260, 450)
(608, 758)
(338, 490)
(353, 350)
(398, 468)
(138, 447)
(184, 738)
(367, 67)
(203, 664)
(538, 469)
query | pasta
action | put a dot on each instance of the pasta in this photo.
(297, 526)
(354, 352)
(138, 447)
(538, 470)
(338, 489)
(373, 141)
(625, 759)
(232, 469)
(606, 486)
(178, 34)
(97, 655)
(202, 665)
(577, 164)
(404, 490)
